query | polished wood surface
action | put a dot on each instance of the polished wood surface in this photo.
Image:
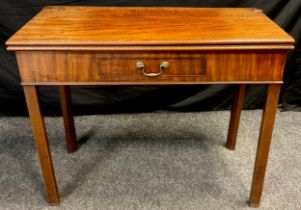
(235, 116)
(264, 143)
(84, 26)
(76, 67)
(41, 141)
(65, 99)
(69, 45)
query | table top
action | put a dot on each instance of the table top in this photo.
(148, 26)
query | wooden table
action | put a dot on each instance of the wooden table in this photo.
(66, 46)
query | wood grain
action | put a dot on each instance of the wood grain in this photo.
(41, 142)
(65, 67)
(235, 116)
(84, 26)
(264, 143)
(65, 99)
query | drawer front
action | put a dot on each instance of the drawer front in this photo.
(152, 65)
(50, 67)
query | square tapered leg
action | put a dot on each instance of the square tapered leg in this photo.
(42, 146)
(65, 99)
(264, 142)
(235, 116)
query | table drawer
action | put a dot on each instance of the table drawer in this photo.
(152, 65)
(149, 68)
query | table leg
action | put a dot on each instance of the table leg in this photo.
(235, 116)
(65, 99)
(41, 142)
(264, 142)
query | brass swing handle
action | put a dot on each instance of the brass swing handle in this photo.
(141, 67)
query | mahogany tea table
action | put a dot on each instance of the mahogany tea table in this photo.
(75, 45)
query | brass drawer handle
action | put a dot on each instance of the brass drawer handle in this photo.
(141, 67)
(164, 65)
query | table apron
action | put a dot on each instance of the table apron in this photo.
(195, 67)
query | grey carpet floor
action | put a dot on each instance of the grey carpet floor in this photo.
(152, 161)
